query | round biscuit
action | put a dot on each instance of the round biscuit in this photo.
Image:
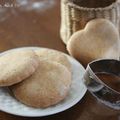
(16, 65)
(47, 86)
(54, 55)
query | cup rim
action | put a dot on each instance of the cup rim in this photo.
(109, 7)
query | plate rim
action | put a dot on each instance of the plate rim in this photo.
(55, 111)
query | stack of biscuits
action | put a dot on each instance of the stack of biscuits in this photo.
(37, 78)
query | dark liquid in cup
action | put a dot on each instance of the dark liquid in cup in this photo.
(111, 80)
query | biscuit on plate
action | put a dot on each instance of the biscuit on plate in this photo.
(47, 86)
(16, 65)
(54, 55)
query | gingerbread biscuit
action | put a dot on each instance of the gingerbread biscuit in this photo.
(99, 39)
(16, 65)
(47, 86)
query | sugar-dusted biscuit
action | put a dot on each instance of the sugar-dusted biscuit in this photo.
(16, 65)
(54, 55)
(99, 39)
(47, 86)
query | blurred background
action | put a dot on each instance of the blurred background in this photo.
(29, 23)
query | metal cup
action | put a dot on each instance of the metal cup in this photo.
(97, 87)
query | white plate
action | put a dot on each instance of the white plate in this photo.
(10, 105)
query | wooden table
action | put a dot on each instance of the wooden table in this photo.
(41, 28)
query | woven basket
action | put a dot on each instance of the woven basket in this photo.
(76, 13)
